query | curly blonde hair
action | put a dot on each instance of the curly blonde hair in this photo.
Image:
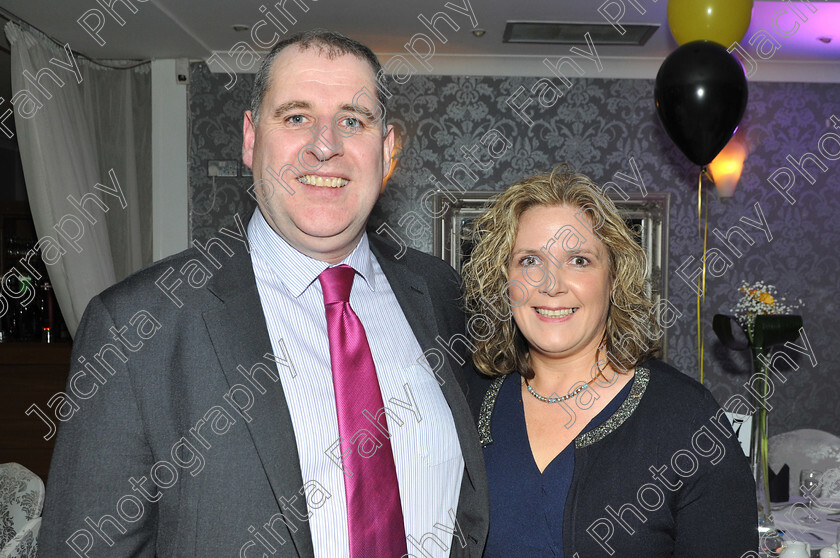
(500, 346)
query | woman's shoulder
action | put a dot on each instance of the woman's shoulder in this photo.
(483, 393)
(477, 385)
(664, 377)
(671, 391)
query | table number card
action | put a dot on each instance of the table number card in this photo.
(742, 425)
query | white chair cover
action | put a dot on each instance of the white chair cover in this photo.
(25, 543)
(807, 449)
(21, 499)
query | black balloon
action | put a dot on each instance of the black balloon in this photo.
(701, 95)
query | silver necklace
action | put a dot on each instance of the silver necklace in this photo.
(564, 397)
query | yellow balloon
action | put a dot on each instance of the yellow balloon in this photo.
(721, 21)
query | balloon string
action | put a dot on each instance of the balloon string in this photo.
(703, 231)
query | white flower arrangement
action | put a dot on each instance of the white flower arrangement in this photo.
(760, 299)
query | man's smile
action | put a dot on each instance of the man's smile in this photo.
(328, 181)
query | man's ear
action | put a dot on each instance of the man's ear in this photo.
(249, 132)
(387, 152)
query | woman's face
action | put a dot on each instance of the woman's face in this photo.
(565, 270)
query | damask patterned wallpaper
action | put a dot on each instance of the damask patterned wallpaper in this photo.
(597, 126)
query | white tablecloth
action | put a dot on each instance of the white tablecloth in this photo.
(818, 526)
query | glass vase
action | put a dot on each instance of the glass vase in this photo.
(770, 541)
(765, 331)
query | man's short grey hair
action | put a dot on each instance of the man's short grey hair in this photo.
(330, 44)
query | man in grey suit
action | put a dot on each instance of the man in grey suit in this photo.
(206, 415)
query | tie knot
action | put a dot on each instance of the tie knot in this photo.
(336, 282)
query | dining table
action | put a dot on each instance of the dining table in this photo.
(816, 523)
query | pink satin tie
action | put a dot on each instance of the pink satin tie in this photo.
(374, 512)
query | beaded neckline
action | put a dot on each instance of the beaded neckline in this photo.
(627, 407)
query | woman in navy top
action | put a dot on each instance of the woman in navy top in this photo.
(592, 448)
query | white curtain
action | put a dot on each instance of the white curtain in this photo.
(88, 133)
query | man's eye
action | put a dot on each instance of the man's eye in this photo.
(351, 122)
(296, 119)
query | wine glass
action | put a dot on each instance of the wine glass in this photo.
(810, 487)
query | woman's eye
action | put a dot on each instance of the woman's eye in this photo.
(526, 261)
(579, 261)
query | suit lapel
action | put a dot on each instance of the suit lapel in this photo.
(240, 337)
(415, 298)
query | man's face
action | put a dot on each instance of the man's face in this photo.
(327, 149)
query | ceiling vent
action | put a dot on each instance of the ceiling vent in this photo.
(548, 32)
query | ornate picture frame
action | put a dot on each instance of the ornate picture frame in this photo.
(646, 214)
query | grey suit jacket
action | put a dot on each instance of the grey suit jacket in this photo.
(173, 378)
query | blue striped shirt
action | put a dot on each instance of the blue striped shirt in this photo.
(425, 445)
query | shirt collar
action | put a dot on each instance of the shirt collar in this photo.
(295, 270)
